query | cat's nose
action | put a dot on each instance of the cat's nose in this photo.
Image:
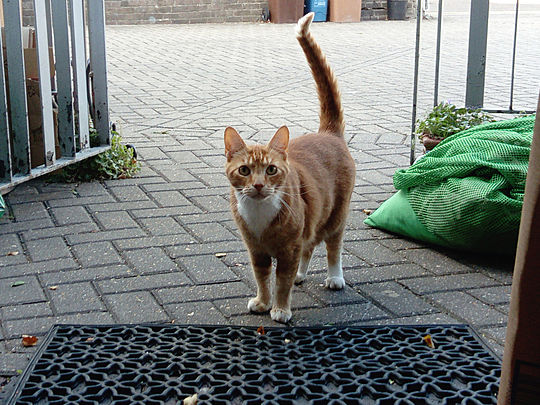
(258, 187)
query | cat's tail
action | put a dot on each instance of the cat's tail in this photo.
(331, 114)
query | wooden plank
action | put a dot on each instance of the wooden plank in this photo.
(79, 70)
(476, 62)
(17, 88)
(5, 153)
(98, 64)
(66, 130)
(42, 43)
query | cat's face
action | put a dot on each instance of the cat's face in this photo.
(257, 172)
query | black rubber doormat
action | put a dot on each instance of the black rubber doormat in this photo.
(164, 364)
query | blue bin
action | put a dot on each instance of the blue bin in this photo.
(319, 7)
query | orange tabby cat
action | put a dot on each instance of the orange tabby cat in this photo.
(287, 197)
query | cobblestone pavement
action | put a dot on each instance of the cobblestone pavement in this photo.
(144, 249)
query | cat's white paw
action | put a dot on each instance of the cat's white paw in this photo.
(281, 315)
(256, 305)
(300, 277)
(335, 283)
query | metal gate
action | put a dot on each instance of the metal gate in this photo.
(68, 92)
(476, 62)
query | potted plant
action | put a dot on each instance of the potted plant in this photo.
(446, 119)
(285, 11)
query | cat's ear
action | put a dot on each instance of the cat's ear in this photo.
(280, 140)
(233, 142)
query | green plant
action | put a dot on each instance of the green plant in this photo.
(115, 163)
(446, 119)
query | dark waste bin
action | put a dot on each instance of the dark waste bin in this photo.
(397, 9)
(319, 7)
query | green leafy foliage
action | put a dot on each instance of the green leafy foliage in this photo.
(115, 163)
(446, 119)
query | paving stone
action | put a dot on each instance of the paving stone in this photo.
(47, 249)
(396, 299)
(78, 297)
(30, 326)
(93, 274)
(337, 314)
(174, 173)
(169, 198)
(22, 311)
(383, 273)
(151, 260)
(29, 211)
(155, 241)
(115, 220)
(450, 282)
(149, 282)
(374, 253)
(468, 308)
(212, 203)
(135, 307)
(203, 292)
(426, 319)
(207, 269)
(60, 231)
(162, 226)
(195, 313)
(105, 198)
(436, 262)
(121, 206)
(164, 212)
(210, 232)
(90, 189)
(128, 193)
(104, 235)
(38, 268)
(70, 215)
(14, 227)
(492, 295)
(26, 293)
(96, 254)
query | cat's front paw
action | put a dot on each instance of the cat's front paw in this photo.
(256, 305)
(281, 315)
(335, 283)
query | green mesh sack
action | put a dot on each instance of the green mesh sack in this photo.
(2, 206)
(467, 193)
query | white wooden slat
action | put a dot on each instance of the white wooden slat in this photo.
(66, 130)
(5, 153)
(42, 44)
(17, 88)
(98, 65)
(79, 69)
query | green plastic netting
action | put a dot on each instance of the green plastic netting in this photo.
(468, 191)
(2, 206)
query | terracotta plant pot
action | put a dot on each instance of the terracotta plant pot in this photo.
(429, 141)
(285, 11)
(345, 10)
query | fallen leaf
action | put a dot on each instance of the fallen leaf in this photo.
(367, 212)
(53, 287)
(18, 283)
(29, 341)
(260, 330)
(192, 400)
(429, 341)
(287, 340)
(89, 340)
(220, 255)
(14, 253)
(19, 371)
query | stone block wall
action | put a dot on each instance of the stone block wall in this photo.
(200, 11)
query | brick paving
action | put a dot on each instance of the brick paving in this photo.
(144, 249)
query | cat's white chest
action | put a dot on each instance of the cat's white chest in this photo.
(258, 214)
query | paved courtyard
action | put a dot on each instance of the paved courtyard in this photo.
(162, 247)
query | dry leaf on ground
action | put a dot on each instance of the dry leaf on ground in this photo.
(261, 331)
(367, 212)
(220, 255)
(192, 400)
(29, 341)
(14, 253)
(429, 341)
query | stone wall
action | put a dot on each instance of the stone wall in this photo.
(200, 11)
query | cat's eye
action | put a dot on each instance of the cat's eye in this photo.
(271, 170)
(244, 170)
